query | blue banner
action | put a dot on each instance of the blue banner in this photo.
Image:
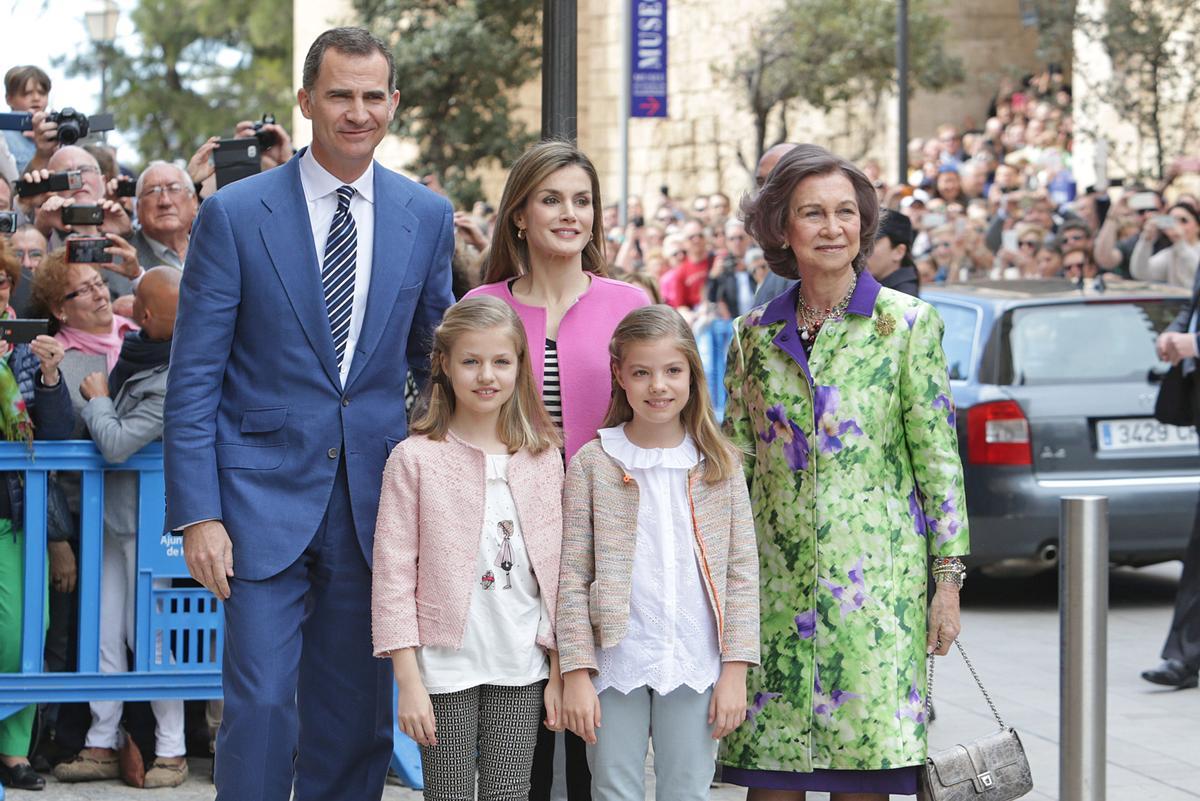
(648, 68)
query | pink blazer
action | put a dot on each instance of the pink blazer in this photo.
(427, 537)
(584, 376)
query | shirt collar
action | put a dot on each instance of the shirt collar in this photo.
(862, 301)
(319, 182)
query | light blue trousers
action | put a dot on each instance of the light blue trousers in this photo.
(684, 751)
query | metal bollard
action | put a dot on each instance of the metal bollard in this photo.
(1083, 667)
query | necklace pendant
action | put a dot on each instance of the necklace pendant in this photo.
(804, 334)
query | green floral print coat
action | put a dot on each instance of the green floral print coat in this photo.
(855, 481)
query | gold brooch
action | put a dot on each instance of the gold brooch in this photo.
(885, 324)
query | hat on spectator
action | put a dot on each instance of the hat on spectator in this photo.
(918, 196)
(947, 166)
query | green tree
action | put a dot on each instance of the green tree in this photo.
(196, 68)
(1154, 47)
(847, 60)
(459, 63)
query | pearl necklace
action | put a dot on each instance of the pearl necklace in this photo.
(812, 319)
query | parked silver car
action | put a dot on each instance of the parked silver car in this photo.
(1055, 386)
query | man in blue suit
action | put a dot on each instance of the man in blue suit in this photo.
(308, 293)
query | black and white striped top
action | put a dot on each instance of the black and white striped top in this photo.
(551, 391)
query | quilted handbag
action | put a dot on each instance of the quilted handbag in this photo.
(989, 768)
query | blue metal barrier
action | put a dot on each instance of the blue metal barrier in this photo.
(180, 631)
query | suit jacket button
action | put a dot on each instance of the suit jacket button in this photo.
(345, 402)
(333, 453)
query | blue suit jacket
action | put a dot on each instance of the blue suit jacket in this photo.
(256, 418)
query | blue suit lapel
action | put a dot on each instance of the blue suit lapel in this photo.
(395, 235)
(287, 235)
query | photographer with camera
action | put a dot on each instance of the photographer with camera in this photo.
(274, 146)
(26, 89)
(49, 211)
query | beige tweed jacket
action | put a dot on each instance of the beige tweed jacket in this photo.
(600, 510)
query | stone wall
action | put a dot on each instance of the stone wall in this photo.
(696, 150)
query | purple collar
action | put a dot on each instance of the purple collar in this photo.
(862, 302)
(783, 310)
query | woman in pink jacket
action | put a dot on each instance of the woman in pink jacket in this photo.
(547, 262)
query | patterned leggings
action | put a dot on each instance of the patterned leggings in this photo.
(488, 729)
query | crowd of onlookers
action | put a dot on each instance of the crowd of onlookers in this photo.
(997, 201)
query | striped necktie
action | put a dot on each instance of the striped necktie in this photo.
(337, 271)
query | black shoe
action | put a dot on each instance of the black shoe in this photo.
(21, 777)
(1172, 673)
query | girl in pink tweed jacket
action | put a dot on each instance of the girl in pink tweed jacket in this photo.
(658, 593)
(466, 560)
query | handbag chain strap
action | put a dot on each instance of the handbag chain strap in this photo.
(974, 675)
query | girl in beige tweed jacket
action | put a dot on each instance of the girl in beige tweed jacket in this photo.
(658, 591)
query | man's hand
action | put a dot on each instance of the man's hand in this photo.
(274, 155)
(94, 385)
(1175, 346)
(200, 166)
(471, 233)
(116, 219)
(208, 552)
(63, 572)
(45, 135)
(128, 265)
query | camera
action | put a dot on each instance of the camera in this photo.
(266, 139)
(74, 125)
(8, 222)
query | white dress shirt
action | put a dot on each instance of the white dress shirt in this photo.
(672, 637)
(320, 193)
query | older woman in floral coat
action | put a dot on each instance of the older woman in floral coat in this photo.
(839, 393)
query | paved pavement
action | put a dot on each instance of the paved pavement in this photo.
(1010, 628)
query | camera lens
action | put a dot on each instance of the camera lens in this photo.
(68, 133)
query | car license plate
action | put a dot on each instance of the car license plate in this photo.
(1141, 433)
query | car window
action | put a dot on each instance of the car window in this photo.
(958, 339)
(1083, 342)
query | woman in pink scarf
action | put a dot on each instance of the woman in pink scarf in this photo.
(77, 300)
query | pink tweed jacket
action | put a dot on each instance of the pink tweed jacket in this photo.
(427, 537)
(600, 510)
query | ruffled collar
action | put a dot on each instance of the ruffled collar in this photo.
(683, 456)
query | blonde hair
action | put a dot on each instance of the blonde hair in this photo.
(656, 324)
(523, 422)
(508, 255)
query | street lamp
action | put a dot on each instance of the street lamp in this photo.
(102, 31)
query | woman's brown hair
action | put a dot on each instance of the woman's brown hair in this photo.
(523, 422)
(51, 281)
(768, 211)
(662, 323)
(508, 256)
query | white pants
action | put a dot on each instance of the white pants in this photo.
(684, 751)
(118, 580)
